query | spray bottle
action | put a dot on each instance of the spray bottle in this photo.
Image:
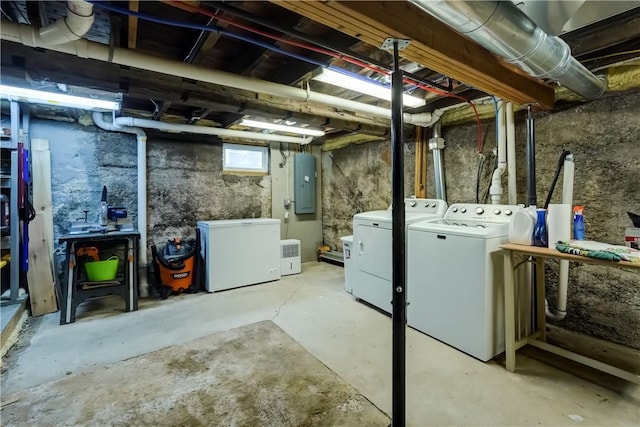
(578, 222)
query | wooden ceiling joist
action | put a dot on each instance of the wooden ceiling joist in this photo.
(433, 44)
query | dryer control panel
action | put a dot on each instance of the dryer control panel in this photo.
(431, 206)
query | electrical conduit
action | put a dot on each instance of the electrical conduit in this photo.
(72, 27)
(141, 138)
(496, 181)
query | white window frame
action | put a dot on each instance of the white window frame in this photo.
(230, 168)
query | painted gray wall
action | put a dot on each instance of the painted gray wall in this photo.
(603, 135)
(307, 227)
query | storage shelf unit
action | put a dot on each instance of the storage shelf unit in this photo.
(9, 185)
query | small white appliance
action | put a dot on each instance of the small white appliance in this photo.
(347, 253)
(372, 251)
(455, 276)
(290, 262)
(240, 252)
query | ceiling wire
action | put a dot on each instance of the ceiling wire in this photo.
(337, 55)
(222, 32)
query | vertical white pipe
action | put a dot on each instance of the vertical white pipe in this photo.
(567, 180)
(511, 155)
(143, 285)
(141, 139)
(496, 181)
(563, 274)
(502, 134)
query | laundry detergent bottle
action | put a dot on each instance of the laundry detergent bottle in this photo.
(540, 229)
(578, 223)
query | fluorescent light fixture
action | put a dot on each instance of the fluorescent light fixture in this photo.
(281, 128)
(365, 86)
(58, 99)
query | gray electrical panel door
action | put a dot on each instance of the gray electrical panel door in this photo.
(304, 183)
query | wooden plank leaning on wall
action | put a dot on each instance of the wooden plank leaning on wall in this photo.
(41, 276)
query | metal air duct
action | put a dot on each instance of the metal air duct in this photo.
(505, 30)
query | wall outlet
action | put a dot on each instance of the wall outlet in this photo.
(286, 215)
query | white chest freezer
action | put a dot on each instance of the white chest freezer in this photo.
(240, 252)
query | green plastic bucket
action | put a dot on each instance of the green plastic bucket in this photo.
(99, 271)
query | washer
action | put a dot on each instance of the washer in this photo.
(372, 247)
(454, 267)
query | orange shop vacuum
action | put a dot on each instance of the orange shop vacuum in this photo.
(177, 266)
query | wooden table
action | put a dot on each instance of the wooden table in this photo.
(516, 255)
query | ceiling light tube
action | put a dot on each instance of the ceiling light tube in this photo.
(58, 99)
(365, 86)
(281, 128)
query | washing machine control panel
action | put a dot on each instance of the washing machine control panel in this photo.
(489, 213)
(434, 206)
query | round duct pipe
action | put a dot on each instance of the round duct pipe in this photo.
(506, 31)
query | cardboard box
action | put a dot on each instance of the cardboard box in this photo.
(632, 237)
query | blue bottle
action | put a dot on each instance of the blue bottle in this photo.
(578, 223)
(540, 229)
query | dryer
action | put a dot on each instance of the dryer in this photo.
(372, 249)
(455, 271)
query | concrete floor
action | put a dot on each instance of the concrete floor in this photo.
(444, 386)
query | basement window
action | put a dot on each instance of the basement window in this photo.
(245, 159)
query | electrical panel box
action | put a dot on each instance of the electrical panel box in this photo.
(304, 183)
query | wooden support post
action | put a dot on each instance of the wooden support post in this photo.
(420, 187)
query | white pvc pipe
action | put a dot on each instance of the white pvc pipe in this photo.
(496, 180)
(141, 138)
(83, 48)
(72, 27)
(205, 130)
(511, 155)
(563, 273)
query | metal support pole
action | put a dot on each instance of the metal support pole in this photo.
(399, 313)
(531, 159)
(15, 201)
(532, 201)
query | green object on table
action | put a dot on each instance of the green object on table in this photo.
(100, 271)
(604, 255)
